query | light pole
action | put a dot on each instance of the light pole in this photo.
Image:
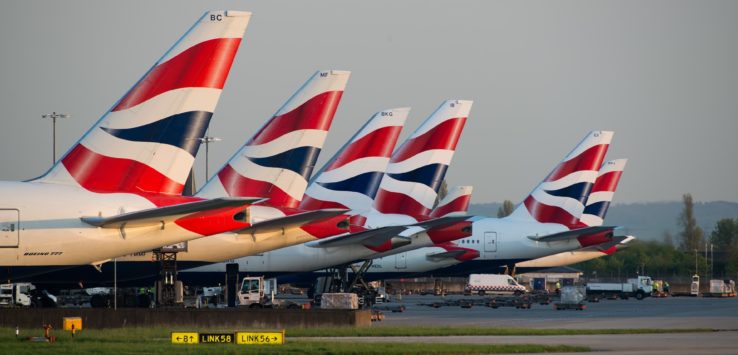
(696, 271)
(712, 261)
(53, 117)
(207, 140)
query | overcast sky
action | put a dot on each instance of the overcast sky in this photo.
(661, 74)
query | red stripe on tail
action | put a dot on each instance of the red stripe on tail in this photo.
(459, 204)
(443, 136)
(204, 65)
(316, 113)
(99, 173)
(373, 144)
(590, 159)
(607, 182)
(393, 202)
(240, 186)
(550, 214)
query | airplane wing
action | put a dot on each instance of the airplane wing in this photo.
(165, 214)
(435, 222)
(378, 236)
(615, 241)
(571, 234)
(371, 237)
(446, 255)
(292, 221)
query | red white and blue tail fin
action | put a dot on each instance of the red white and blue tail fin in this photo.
(455, 203)
(278, 160)
(148, 140)
(350, 179)
(602, 192)
(561, 196)
(418, 167)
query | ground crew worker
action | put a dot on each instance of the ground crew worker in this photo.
(666, 286)
(558, 286)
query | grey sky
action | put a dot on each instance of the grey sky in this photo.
(661, 74)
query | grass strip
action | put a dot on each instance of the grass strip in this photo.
(295, 347)
(135, 334)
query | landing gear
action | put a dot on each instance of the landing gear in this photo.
(338, 281)
(168, 289)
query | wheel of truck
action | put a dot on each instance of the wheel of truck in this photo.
(143, 301)
(293, 306)
(623, 296)
(255, 306)
(98, 301)
(639, 295)
(482, 293)
(518, 293)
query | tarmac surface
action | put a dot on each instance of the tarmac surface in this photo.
(674, 312)
(670, 312)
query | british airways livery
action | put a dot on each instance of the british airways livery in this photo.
(116, 191)
(273, 161)
(413, 176)
(548, 222)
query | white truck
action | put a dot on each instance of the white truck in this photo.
(721, 288)
(24, 294)
(257, 292)
(16, 295)
(483, 284)
(694, 287)
(639, 287)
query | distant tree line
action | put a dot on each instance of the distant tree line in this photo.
(712, 257)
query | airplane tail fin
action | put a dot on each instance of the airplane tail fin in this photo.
(278, 160)
(561, 196)
(602, 192)
(416, 170)
(148, 140)
(350, 179)
(456, 202)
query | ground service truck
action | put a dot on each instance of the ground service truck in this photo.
(494, 284)
(638, 287)
(257, 292)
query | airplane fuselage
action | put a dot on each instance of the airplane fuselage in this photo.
(40, 225)
(495, 239)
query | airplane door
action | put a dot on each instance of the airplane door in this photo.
(401, 261)
(9, 231)
(490, 241)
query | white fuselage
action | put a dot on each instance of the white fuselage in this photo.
(494, 239)
(229, 246)
(40, 225)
